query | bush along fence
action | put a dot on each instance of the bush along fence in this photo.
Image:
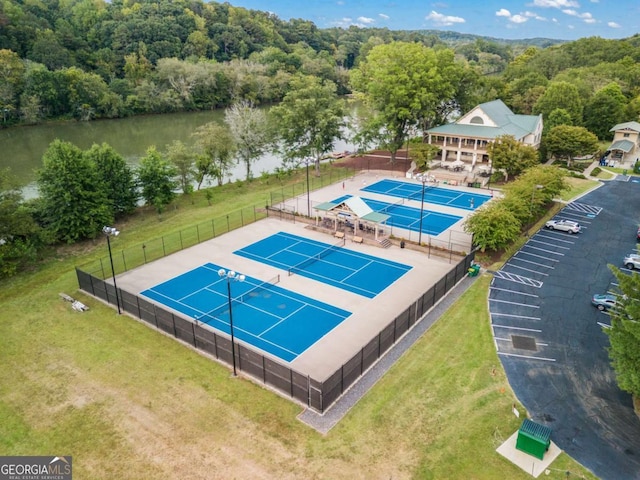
(318, 394)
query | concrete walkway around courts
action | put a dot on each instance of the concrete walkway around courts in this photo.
(326, 421)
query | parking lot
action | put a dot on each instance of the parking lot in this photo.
(550, 338)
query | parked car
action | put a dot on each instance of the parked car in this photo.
(631, 261)
(563, 225)
(603, 301)
(638, 234)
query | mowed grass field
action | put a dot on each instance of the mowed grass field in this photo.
(127, 402)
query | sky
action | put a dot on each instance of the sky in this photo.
(507, 19)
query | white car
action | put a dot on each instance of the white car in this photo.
(563, 225)
(632, 261)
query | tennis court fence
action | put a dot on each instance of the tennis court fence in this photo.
(318, 394)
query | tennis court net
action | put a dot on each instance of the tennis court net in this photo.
(242, 298)
(314, 258)
(417, 195)
(392, 206)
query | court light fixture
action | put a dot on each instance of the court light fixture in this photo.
(112, 232)
(231, 276)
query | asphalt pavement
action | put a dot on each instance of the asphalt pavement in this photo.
(550, 338)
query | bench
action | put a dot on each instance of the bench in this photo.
(357, 239)
(339, 234)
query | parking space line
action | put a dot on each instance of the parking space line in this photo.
(527, 269)
(514, 316)
(546, 243)
(513, 291)
(538, 256)
(583, 207)
(517, 328)
(512, 277)
(572, 215)
(604, 325)
(554, 238)
(527, 356)
(546, 251)
(529, 261)
(513, 303)
(510, 340)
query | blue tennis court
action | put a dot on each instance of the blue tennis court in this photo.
(433, 223)
(436, 195)
(346, 269)
(271, 318)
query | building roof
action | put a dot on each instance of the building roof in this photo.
(624, 145)
(354, 205)
(635, 126)
(506, 123)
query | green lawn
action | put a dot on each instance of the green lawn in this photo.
(130, 403)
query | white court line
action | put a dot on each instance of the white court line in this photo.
(547, 243)
(526, 269)
(514, 316)
(529, 261)
(553, 237)
(513, 303)
(513, 291)
(547, 251)
(527, 356)
(538, 256)
(517, 328)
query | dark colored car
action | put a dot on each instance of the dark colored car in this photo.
(638, 234)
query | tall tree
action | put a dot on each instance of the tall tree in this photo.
(561, 95)
(74, 203)
(493, 226)
(309, 119)
(402, 83)
(182, 157)
(565, 141)
(18, 230)
(250, 131)
(156, 179)
(624, 334)
(116, 177)
(511, 156)
(604, 110)
(218, 148)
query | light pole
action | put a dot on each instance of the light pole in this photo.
(112, 232)
(423, 179)
(230, 275)
(533, 193)
(308, 198)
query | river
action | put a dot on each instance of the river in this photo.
(22, 148)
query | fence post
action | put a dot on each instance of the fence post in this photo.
(124, 261)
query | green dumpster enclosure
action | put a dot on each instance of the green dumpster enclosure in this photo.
(474, 269)
(533, 438)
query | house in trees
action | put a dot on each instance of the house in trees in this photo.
(625, 147)
(463, 144)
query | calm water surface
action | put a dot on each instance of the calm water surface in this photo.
(22, 148)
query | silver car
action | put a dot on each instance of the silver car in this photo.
(632, 261)
(563, 225)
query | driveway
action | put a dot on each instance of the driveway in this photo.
(550, 338)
